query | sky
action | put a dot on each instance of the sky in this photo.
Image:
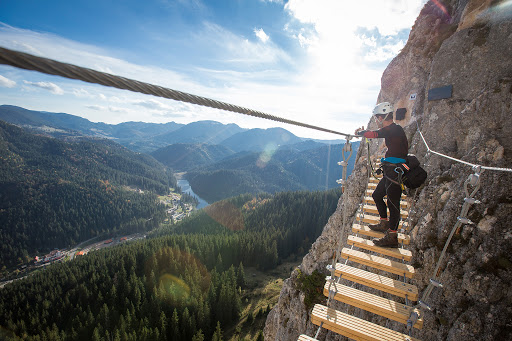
(314, 61)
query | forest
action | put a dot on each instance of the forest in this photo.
(183, 283)
(286, 169)
(56, 193)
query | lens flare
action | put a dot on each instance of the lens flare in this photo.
(166, 269)
(170, 286)
(226, 214)
(266, 155)
(441, 7)
(503, 8)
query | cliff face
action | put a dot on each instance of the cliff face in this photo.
(468, 45)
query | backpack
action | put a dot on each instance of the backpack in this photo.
(415, 175)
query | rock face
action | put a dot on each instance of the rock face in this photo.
(468, 45)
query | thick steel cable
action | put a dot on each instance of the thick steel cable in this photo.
(52, 67)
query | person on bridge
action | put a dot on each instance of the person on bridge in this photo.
(398, 147)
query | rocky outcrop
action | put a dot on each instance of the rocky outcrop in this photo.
(468, 45)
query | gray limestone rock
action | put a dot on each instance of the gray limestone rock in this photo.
(471, 50)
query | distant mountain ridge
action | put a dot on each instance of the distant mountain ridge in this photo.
(185, 156)
(148, 137)
(260, 139)
(285, 169)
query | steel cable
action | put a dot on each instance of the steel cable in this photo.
(30, 62)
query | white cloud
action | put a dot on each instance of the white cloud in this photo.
(383, 53)
(52, 87)
(233, 49)
(6, 82)
(54, 47)
(152, 104)
(81, 93)
(96, 107)
(108, 108)
(261, 35)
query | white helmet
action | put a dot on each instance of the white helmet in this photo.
(383, 108)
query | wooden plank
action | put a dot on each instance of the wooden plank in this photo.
(369, 200)
(306, 338)
(365, 230)
(367, 244)
(372, 208)
(380, 263)
(375, 304)
(353, 327)
(383, 283)
(370, 219)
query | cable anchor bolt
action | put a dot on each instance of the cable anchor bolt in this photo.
(464, 220)
(424, 305)
(473, 179)
(412, 320)
(436, 283)
(472, 201)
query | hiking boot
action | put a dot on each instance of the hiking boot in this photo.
(390, 239)
(382, 226)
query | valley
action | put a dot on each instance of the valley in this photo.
(104, 224)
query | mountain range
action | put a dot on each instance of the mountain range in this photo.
(147, 137)
(220, 160)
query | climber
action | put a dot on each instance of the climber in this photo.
(396, 142)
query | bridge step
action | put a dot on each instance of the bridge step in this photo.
(365, 230)
(378, 282)
(388, 251)
(372, 208)
(372, 303)
(306, 338)
(372, 185)
(369, 200)
(380, 263)
(370, 219)
(353, 327)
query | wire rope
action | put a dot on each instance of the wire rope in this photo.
(30, 62)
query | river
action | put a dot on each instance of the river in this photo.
(185, 187)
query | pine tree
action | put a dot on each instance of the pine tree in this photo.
(199, 336)
(217, 336)
(240, 276)
(175, 325)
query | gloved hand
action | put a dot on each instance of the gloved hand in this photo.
(359, 131)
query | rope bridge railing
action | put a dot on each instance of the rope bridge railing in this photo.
(52, 67)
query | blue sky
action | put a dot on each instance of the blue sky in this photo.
(313, 61)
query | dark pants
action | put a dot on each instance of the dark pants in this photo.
(393, 191)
